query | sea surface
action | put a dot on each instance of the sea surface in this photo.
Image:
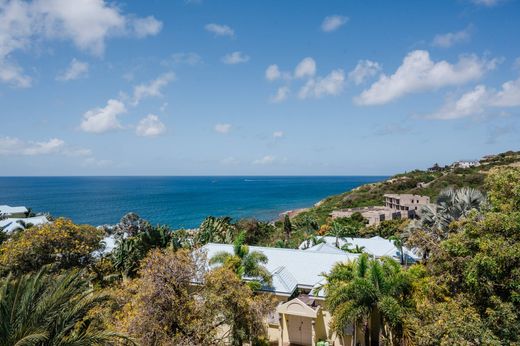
(176, 201)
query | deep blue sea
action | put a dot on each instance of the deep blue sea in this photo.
(176, 201)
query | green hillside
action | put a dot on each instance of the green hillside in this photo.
(428, 183)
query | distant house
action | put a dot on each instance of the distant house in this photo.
(300, 317)
(8, 211)
(397, 206)
(10, 225)
(465, 164)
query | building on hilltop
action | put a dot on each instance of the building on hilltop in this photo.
(397, 206)
(11, 225)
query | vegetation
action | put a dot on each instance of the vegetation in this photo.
(57, 287)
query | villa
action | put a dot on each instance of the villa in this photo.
(397, 206)
(13, 212)
(300, 317)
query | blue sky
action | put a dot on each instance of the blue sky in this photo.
(257, 87)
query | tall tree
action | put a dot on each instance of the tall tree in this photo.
(287, 228)
(369, 290)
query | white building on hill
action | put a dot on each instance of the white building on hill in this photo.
(10, 225)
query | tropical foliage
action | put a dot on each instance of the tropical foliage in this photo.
(61, 244)
(44, 309)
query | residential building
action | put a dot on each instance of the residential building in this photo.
(10, 225)
(406, 202)
(300, 317)
(465, 164)
(8, 211)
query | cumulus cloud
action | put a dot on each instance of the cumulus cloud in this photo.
(235, 58)
(419, 73)
(150, 126)
(12, 146)
(76, 69)
(266, 160)
(451, 38)
(332, 84)
(272, 72)
(479, 101)
(88, 24)
(222, 128)
(151, 89)
(148, 26)
(278, 134)
(104, 119)
(333, 23)
(220, 30)
(306, 68)
(364, 70)
(281, 94)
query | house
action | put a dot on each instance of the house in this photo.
(10, 225)
(8, 211)
(406, 202)
(465, 164)
(376, 247)
(300, 317)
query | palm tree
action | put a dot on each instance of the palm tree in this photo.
(338, 231)
(244, 263)
(46, 310)
(399, 244)
(356, 249)
(311, 240)
(435, 219)
(369, 290)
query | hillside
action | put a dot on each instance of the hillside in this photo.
(428, 183)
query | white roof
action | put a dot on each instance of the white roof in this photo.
(375, 246)
(5, 209)
(12, 224)
(325, 247)
(290, 268)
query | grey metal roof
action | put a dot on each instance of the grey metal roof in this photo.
(290, 268)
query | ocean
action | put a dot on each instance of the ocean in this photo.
(181, 202)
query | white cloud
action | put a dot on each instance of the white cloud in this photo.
(306, 68)
(235, 58)
(451, 38)
(480, 100)
(152, 89)
(222, 128)
(266, 160)
(272, 72)
(76, 69)
(332, 84)
(364, 69)
(220, 30)
(148, 26)
(189, 58)
(281, 94)
(150, 126)
(278, 134)
(333, 23)
(101, 120)
(15, 146)
(87, 23)
(419, 73)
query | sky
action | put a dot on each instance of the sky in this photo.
(178, 87)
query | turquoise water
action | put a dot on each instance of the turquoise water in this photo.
(176, 201)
